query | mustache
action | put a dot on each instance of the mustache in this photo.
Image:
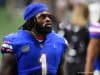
(47, 25)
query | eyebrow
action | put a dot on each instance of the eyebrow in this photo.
(45, 14)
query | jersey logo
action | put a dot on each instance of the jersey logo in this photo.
(25, 48)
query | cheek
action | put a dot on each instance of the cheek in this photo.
(40, 21)
(40, 24)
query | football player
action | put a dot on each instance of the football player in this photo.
(35, 49)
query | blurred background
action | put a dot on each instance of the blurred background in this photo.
(72, 20)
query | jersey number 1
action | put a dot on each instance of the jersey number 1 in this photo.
(43, 64)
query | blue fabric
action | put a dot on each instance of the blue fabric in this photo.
(95, 36)
(33, 9)
(28, 52)
(97, 64)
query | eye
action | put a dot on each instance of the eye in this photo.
(43, 16)
(51, 16)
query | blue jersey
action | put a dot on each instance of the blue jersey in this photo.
(95, 33)
(28, 52)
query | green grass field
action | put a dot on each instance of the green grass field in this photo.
(8, 23)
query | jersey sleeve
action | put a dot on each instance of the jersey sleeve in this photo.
(94, 30)
(7, 46)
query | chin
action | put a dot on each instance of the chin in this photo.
(46, 31)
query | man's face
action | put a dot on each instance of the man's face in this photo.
(44, 23)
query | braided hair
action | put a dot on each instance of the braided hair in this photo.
(29, 25)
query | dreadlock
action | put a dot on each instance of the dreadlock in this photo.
(29, 24)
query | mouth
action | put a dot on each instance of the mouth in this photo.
(48, 25)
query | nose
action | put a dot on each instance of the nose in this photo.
(48, 19)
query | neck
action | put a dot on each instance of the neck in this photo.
(38, 37)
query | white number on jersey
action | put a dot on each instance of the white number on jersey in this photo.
(43, 64)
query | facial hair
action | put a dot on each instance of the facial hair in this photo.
(42, 30)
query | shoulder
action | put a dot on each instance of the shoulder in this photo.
(94, 30)
(12, 37)
(8, 43)
(58, 38)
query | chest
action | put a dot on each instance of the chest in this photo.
(32, 51)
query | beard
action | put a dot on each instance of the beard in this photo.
(42, 30)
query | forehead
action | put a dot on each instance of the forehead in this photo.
(43, 13)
